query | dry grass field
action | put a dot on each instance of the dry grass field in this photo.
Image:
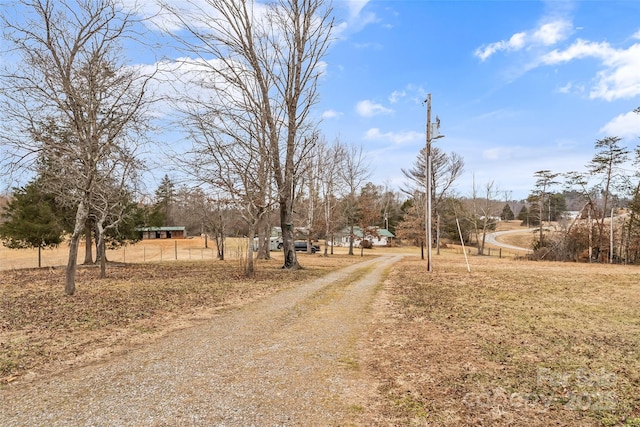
(513, 342)
(191, 249)
(42, 330)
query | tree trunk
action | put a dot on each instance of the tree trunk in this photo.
(72, 264)
(249, 270)
(286, 221)
(437, 233)
(590, 236)
(88, 250)
(333, 240)
(351, 240)
(218, 235)
(264, 238)
(101, 254)
(103, 259)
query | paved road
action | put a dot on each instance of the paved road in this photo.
(491, 238)
(289, 359)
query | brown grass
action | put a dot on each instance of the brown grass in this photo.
(41, 329)
(512, 343)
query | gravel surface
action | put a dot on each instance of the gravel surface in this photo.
(289, 359)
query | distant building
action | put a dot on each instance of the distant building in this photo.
(377, 236)
(571, 215)
(148, 233)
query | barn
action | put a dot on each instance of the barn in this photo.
(148, 233)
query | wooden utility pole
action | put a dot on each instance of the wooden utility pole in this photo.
(428, 185)
(428, 213)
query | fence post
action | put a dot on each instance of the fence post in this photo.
(500, 253)
(176, 249)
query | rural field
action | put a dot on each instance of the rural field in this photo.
(512, 342)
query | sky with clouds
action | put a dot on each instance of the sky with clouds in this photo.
(519, 86)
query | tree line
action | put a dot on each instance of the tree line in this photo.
(605, 199)
(77, 120)
(77, 115)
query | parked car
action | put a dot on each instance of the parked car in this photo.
(302, 246)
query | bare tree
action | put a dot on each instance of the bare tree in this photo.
(329, 158)
(268, 58)
(413, 221)
(353, 172)
(445, 170)
(110, 203)
(581, 181)
(230, 157)
(310, 182)
(483, 212)
(544, 180)
(606, 163)
(71, 75)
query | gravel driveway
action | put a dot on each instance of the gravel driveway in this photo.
(289, 359)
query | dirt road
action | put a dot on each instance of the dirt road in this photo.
(289, 359)
(491, 239)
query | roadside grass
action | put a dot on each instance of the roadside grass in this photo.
(42, 330)
(511, 343)
(523, 240)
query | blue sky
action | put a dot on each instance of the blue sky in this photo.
(519, 86)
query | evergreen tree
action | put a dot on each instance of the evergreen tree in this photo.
(557, 206)
(507, 213)
(165, 202)
(32, 220)
(523, 216)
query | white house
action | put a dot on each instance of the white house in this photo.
(377, 236)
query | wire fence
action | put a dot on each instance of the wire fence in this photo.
(491, 252)
(146, 251)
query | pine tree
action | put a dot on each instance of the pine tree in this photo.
(165, 201)
(32, 220)
(523, 215)
(507, 213)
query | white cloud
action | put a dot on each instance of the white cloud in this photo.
(625, 126)
(579, 49)
(618, 79)
(552, 32)
(566, 144)
(355, 18)
(516, 42)
(356, 6)
(367, 108)
(374, 134)
(572, 88)
(198, 12)
(546, 34)
(636, 35)
(396, 95)
(331, 114)
(566, 88)
(497, 153)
